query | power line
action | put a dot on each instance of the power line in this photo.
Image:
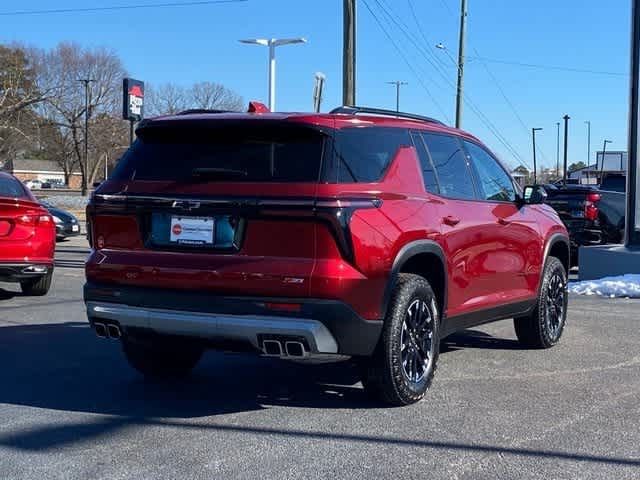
(402, 26)
(118, 7)
(406, 61)
(549, 67)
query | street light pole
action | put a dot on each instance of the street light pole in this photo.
(604, 152)
(398, 84)
(558, 151)
(84, 185)
(272, 43)
(535, 167)
(588, 122)
(566, 119)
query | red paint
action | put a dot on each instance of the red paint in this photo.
(27, 231)
(494, 251)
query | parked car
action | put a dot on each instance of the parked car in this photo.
(362, 232)
(593, 216)
(27, 238)
(67, 224)
(33, 184)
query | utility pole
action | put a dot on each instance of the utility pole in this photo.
(566, 149)
(398, 84)
(460, 89)
(349, 53)
(558, 151)
(588, 122)
(85, 176)
(535, 166)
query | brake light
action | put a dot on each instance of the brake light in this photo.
(590, 207)
(33, 220)
(593, 197)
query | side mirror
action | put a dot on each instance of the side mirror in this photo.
(534, 195)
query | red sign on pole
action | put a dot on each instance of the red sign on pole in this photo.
(132, 99)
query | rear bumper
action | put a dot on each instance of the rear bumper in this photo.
(328, 326)
(17, 272)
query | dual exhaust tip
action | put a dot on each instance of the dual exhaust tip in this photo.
(289, 348)
(107, 330)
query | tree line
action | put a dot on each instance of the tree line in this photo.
(42, 105)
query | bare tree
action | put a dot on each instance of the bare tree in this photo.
(165, 99)
(169, 98)
(19, 93)
(214, 96)
(60, 71)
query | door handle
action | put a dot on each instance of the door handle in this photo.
(502, 221)
(451, 220)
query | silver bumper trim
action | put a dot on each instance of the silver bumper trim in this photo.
(215, 326)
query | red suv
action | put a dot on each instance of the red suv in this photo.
(361, 232)
(27, 238)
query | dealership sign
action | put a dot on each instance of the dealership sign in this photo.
(133, 99)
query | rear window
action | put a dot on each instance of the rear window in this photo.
(246, 153)
(363, 154)
(10, 187)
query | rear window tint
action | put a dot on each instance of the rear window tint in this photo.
(363, 154)
(10, 187)
(247, 153)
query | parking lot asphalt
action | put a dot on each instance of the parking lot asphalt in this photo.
(71, 408)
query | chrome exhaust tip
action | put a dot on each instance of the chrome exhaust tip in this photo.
(114, 331)
(295, 349)
(272, 348)
(101, 330)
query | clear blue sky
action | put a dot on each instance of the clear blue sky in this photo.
(196, 43)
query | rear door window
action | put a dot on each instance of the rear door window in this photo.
(240, 153)
(363, 154)
(451, 166)
(12, 188)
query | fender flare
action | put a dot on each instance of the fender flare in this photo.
(408, 251)
(553, 240)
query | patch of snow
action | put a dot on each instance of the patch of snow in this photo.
(67, 201)
(623, 286)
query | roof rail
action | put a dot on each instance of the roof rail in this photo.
(349, 110)
(201, 110)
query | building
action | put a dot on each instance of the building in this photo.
(44, 170)
(521, 175)
(615, 161)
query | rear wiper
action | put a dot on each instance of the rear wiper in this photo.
(210, 172)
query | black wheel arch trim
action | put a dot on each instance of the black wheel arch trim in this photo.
(408, 251)
(553, 240)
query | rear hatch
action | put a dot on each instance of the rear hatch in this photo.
(218, 205)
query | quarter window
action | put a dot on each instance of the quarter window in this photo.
(495, 183)
(451, 166)
(363, 154)
(428, 173)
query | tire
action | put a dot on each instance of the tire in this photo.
(37, 287)
(404, 361)
(544, 326)
(161, 361)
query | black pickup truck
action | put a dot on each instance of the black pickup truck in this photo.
(593, 216)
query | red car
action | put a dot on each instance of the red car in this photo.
(27, 238)
(362, 232)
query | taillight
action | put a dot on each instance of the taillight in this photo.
(593, 197)
(591, 207)
(31, 220)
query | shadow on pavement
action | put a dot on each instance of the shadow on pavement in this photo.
(65, 367)
(477, 339)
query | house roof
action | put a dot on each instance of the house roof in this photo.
(32, 165)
